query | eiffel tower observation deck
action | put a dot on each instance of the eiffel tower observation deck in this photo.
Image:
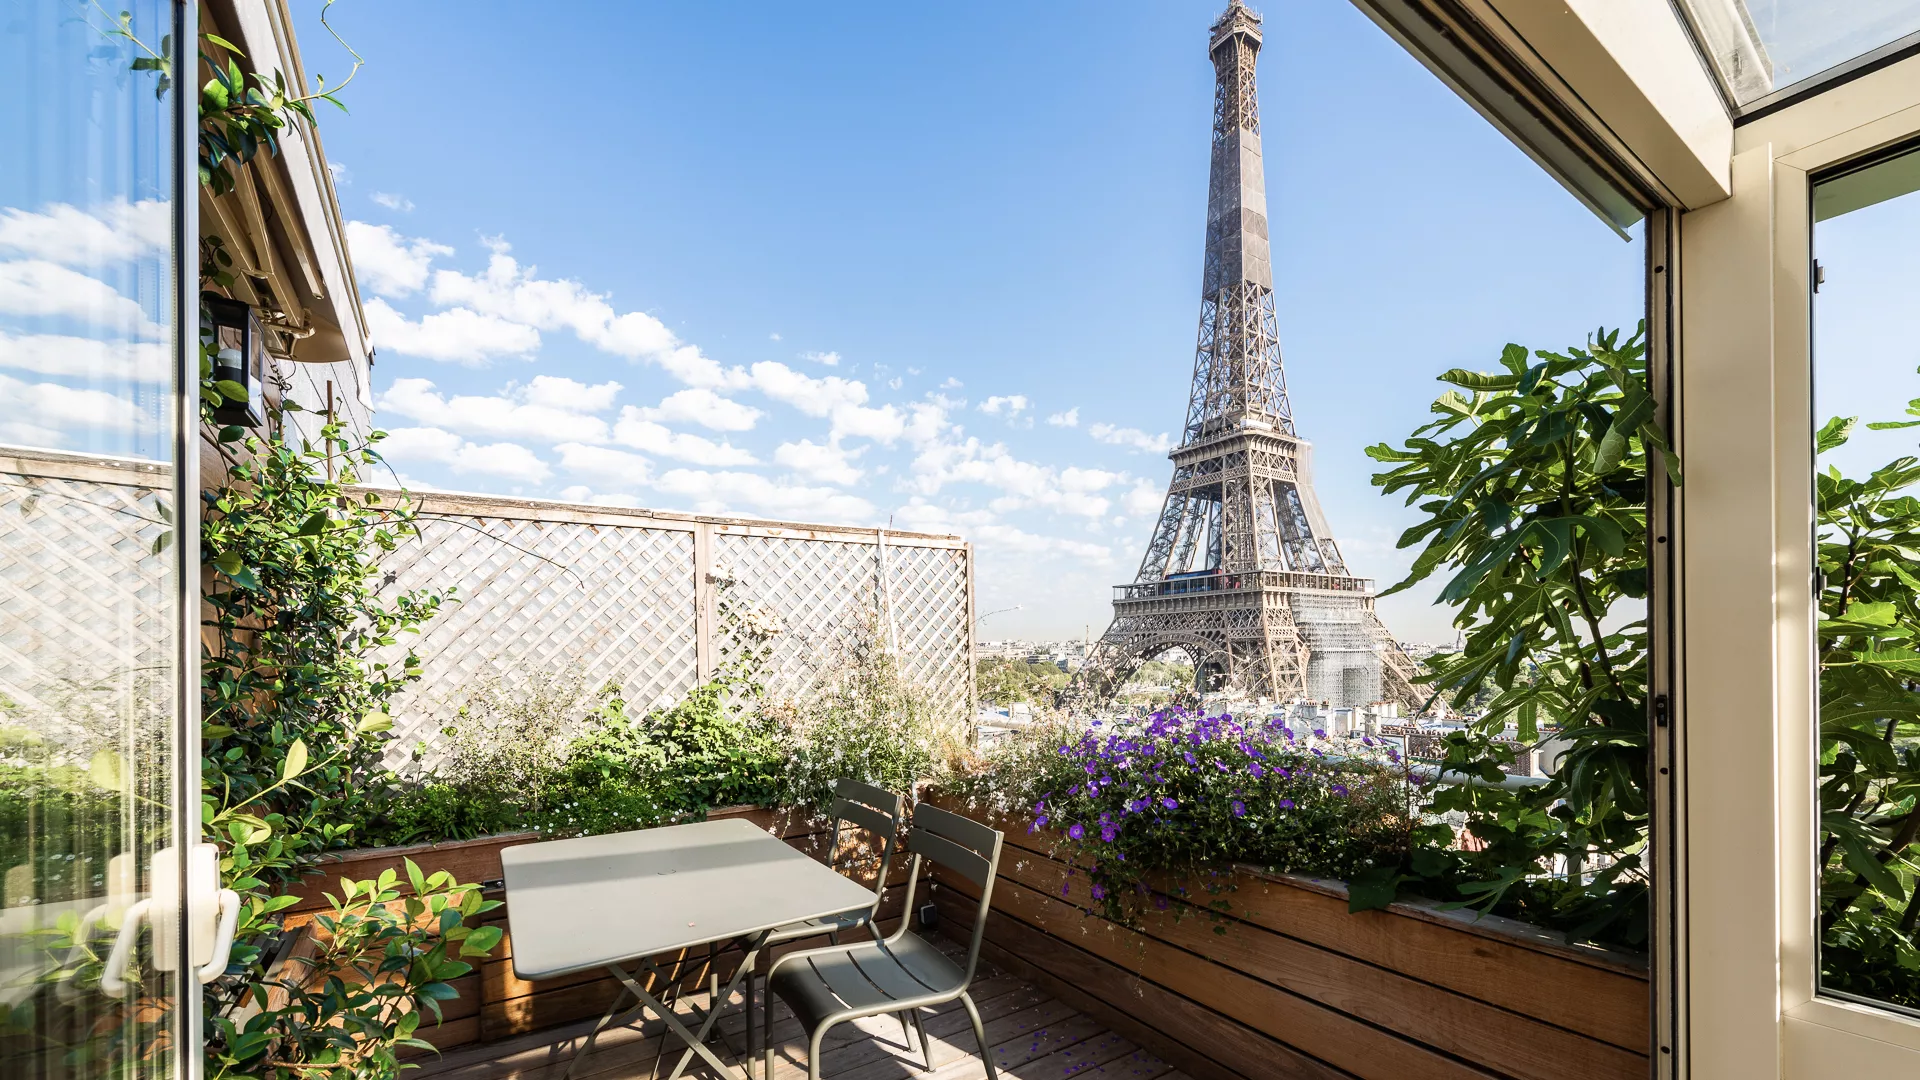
(1242, 571)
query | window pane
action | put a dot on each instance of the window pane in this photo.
(1867, 241)
(1759, 46)
(89, 582)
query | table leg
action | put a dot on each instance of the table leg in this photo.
(750, 955)
(605, 1019)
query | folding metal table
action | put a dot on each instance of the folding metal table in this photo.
(621, 899)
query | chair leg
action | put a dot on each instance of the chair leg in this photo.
(980, 1036)
(813, 1051)
(926, 1051)
(906, 1031)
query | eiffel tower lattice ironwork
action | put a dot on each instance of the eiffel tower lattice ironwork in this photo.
(1242, 572)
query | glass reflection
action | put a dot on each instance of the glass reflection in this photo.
(88, 580)
(1760, 46)
(1868, 528)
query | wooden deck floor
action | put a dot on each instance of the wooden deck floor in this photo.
(1033, 1037)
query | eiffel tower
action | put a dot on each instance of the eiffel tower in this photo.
(1242, 572)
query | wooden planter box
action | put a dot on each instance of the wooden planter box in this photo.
(1289, 984)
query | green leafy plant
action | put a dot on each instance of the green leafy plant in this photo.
(1869, 651)
(241, 113)
(1533, 484)
(384, 955)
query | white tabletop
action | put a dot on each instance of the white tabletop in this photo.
(574, 905)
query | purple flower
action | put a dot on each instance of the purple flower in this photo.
(1099, 893)
(1076, 831)
(1340, 790)
(1191, 760)
(1109, 832)
(1286, 804)
(1168, 802)
(1239, 808)
(1319, 733)
(1040, 822)
(1254, 768)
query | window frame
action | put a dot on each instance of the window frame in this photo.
(1746, 907)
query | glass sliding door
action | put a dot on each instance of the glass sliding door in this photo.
(92, 581)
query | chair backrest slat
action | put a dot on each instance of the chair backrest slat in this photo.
(879, 798)
(964, 861)
(883, 826)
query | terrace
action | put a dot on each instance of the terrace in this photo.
(280, 737)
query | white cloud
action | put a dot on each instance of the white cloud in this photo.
(1008, 405)
(459, 336)
(1072, 490)
(611, 468)
(46, 414)
(88, 359)
(637, 431)
(829, 464)
(116, 231)
(545, 409)
(987, 531)
(884, 425)
(830, 359)
(388, 263)
(393, 202)
(815, 397)
(1144, 497)
(1132, 438)
(952, 384)
(506, 291)
(557, 392)
(341, 174)
(699, 405)
(1070, 418)
(740, 492)
(406, 447)
(773, 337)
(37, 288)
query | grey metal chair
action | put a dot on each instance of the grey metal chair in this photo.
(865, 807)
(860, 806)
(900, 973)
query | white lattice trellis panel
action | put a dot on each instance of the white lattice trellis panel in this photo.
(927, 593)
(821, 591)
(85, 602)
(609, 603)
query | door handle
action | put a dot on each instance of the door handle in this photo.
(113, 977)
(212, 930)
(223, 936)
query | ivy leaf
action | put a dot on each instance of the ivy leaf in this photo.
(314, 525)
(296, 762)
(231, 390)
(1373, 889)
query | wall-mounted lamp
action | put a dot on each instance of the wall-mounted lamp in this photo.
(240, 355)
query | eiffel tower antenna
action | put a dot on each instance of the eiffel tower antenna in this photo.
(1242, 572)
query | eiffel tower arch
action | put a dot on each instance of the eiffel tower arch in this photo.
(1242, 571)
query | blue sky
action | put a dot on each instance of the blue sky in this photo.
(930, 265)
